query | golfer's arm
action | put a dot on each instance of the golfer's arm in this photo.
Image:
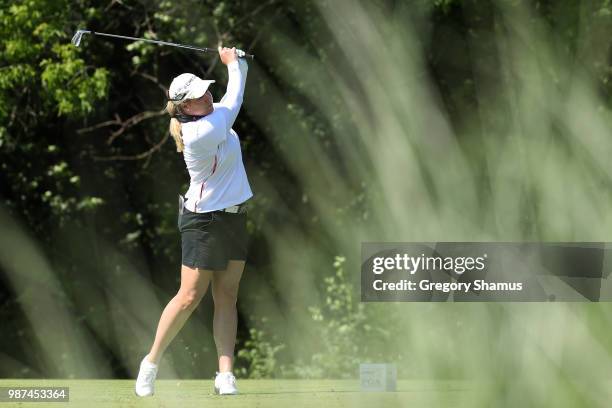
(232, 99)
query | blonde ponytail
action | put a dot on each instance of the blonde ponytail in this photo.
(175, 126)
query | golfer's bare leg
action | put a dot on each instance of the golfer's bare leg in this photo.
(194, 283)
(225, 293)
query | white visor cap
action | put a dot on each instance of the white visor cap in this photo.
(187, 86)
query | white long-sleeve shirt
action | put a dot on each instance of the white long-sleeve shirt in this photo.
(212, 151)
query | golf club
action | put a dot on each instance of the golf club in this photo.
(76, 40)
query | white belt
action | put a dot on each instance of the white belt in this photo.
(233, 209)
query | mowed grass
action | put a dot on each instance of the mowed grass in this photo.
(253, 393)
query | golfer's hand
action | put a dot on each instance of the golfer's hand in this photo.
(228, 55)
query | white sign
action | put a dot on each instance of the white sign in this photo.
(378, 377)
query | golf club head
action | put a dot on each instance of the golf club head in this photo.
(76, 39)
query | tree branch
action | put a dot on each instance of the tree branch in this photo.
(116, 121)
(254, 12)
(155, 81)
(134, 120)
(257, 36)
(123, 124)
(139, 156)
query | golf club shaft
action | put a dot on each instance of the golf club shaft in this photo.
(189, 47)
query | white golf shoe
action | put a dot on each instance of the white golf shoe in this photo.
(145, 383)
(225, 384)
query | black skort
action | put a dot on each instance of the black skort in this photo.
(209, 240)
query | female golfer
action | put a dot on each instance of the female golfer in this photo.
(212, 219)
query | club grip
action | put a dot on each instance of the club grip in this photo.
(242, 54)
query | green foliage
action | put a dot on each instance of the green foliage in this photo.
(43, 77)
(344, 330)
(68, 84)
(348, 332)
(258, 357)
(38, 56)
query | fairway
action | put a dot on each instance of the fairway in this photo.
(254, 393)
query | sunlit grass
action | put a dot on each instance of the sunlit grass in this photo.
(268, 393)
